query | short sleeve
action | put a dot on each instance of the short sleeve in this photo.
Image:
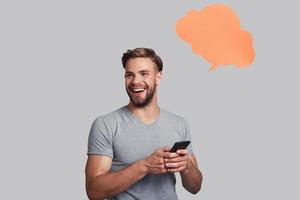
(188, 136)
(100, 140)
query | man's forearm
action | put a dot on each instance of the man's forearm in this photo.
(191, 178)
(113, 183)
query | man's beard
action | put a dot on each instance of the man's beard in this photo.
(142, 102)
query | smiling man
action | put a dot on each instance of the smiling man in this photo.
(129, 148)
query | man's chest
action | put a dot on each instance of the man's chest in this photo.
(132, 143)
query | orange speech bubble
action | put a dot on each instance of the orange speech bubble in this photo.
(215, 34)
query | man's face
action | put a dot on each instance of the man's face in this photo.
(141, 78)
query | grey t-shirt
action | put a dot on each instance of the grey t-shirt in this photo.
(123, 137)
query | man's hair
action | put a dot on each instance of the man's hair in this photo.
(143, 53)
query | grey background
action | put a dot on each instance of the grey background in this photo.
(60, 68)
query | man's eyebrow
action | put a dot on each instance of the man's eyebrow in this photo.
(141, 71)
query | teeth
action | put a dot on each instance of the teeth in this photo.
(137, 90)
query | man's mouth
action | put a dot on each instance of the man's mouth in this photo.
(138, 91)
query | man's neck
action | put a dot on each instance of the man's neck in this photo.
(147, 114)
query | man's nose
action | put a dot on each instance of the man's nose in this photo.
(137, 79)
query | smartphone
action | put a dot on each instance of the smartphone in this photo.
(180, 145)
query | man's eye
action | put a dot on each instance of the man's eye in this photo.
(128, 75)
(144, 74)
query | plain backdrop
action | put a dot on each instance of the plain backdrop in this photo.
(60, 68)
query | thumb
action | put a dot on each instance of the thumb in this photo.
(167, 149)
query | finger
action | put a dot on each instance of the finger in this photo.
(176, 164)
(182, 151)
(161, 160)
(159, 169)
(167, 149)
(163, 152)
(168, 155)
(173, 155)
(182, 168)
(177, 159)
(157, 160)
(156, 166)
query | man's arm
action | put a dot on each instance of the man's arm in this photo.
(101, 184)
(191, 177)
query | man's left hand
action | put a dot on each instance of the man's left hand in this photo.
(178, 162)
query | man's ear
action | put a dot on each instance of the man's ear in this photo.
(158, 77)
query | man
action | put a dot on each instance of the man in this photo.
(129, 149)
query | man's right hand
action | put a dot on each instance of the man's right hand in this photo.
(155, 163)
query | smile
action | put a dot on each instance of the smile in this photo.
(137, 90)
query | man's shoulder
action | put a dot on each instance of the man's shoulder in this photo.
(110, 116)
(172, 116)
